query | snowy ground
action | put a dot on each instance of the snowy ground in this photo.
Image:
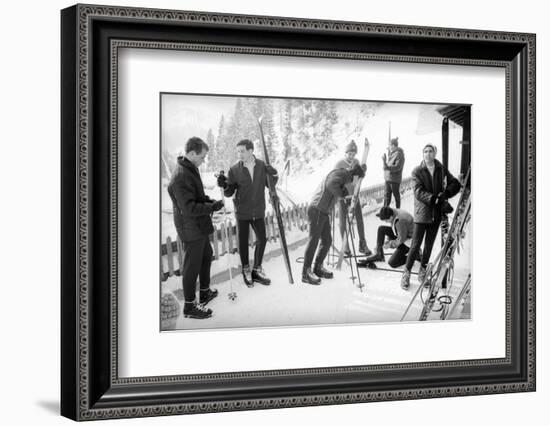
(335, 301)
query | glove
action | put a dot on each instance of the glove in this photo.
(271, 171)
(359, 171)
(217, 205)
(441, 197)
(222, 181)
(364, 167)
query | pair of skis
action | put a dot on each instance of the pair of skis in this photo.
(276, 204)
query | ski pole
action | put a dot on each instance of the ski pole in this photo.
(360, 284)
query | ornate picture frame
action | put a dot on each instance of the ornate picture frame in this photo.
(91, 37)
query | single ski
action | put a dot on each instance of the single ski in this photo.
(351, 208)
(276, 204)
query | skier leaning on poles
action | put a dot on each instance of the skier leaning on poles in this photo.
(247, 179)
(331, 189)
(192, 217)
(433, 185)
(349, 162)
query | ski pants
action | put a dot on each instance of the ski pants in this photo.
(419, 230)
(399, 256)
(197, 258)
(342, 216)
(392, 188)
(258, 225)
(319, 229)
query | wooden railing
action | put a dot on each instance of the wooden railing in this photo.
(225, 237)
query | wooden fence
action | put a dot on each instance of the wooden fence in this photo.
(225, 237)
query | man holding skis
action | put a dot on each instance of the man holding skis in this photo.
(349, 162)
(192, 217)
(247, 180)
(331, 189)
(433, 185)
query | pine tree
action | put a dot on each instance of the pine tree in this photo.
(212, 157)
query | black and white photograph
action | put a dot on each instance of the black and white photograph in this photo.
(278, 212)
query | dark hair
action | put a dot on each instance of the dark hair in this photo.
(385, 213)
(394, 141)
(246, 143)
(196, 145)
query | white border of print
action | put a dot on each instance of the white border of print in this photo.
(144, 351)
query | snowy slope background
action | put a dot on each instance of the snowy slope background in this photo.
(307, 138)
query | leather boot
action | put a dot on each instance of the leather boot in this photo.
(308, 277)
(321, 272)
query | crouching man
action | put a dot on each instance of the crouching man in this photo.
(399, 230)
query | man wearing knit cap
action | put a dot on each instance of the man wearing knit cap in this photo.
(349, 162)
(393, 164)
(433, 185)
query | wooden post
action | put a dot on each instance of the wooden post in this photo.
(222, 229)
(169, 256)
(215, 243)
(180, 254)
(230, 245)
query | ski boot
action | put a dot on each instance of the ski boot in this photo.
(363, 248)
(195, 310)
(321, 272)
(406, 279)
(207, 295)
(247, 277)
(258, 276)
(308, 277)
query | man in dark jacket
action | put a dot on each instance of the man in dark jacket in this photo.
(332, 188)
(192, 217)
(247, 179)
(433, 185)
(393, 172)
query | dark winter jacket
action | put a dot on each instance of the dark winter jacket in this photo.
(331, 189)
(393, 169)
(192, 207)
(249, 193)
(426, 189)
